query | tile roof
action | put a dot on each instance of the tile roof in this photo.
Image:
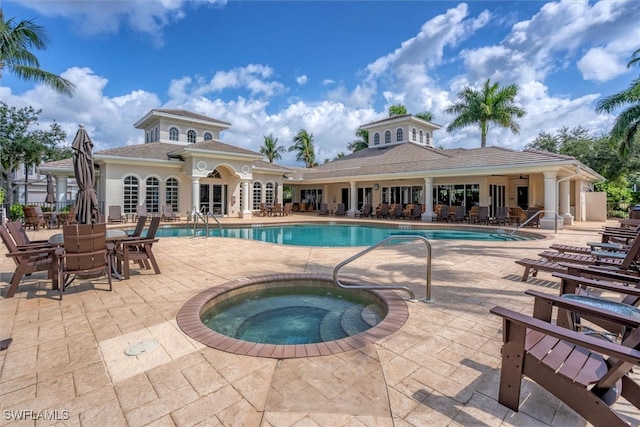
(408, 157)
(215, 146)
(189, 114)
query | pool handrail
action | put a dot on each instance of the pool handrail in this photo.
(536, 215)
(412, 295)
(205, 220)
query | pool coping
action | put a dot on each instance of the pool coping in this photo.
(188, 319)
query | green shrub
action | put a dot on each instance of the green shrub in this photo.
(16, 212)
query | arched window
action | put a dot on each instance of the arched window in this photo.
(421, 137)
(413, 134)
(155, 138)
(171, 194)
(214, 174)
(257, 195)
(268, 193)
(191, 136)
(152, 198)
(387, 137)
(208, 136)
(428, 137)
(240, 202)
(173, 134)
(130, 195)
(146, 137)
(376, 138)
(399, 135)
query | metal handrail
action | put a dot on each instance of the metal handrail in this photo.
(537, 214)
(196, 215)
(399, 287)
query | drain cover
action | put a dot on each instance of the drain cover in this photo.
(141, 348)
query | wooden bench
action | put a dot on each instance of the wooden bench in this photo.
(534, 265)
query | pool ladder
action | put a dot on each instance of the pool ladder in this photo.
(412, 295)
(204, 217)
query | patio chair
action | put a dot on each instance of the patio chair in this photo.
(416, 212)
(340, 210)
(276, 209)
(459, 214)
(141, 210)
(398, 211)
(482, 215)
(406, 212)
(20, 236)
(382, 211)
(263, 210)
(324, 209)
(115, 214)
(622, 260)
(517, 215)
(168, 214)
(139, 250)
(68, 218)
(585, 372)
(473, 213)
(288, 209)
(33, 219)
(27, 261)
(366, 210)
(533, 218)
(85, 254)
(443, 213)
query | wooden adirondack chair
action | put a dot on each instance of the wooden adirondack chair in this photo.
(33, 219)
(585, 372)
(28, 261)
(139, 250)
(20, 236)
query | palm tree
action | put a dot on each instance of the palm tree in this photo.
(303, 143)
(270, 148)
(491, 104)
(397, 110)
(425, 115)
(16, 42)
(626, 129)
(361, 143)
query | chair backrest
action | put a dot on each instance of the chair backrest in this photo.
(115, 213)
(473, 210)
(324, 208)
(459, 212)
(444, 211)
(8, 241)
(18, 233)
(398, 210)
(30, 215)
(137, 232)
(340, 209)
(502, 212)
(87, 243)
(153, 228)
(366, 210)
(39, 212)
(417, 211)
(167, 210)
(141, 210)
(483, 212)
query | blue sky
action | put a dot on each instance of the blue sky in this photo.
(327, 67)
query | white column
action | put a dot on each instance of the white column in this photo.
(428, 200)
(353, 196)
(246, 211)
(195, 193)
(550, 202)
(61, 189)
(565, 201)
(279, 193)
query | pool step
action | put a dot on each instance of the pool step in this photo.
(330, 328)
(352, 321)
(372, 314)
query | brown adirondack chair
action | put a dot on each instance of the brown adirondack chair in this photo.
(33, 219)
(139, 250)
(68, 218)
(585, 372)
(86, 254)
(28, 261)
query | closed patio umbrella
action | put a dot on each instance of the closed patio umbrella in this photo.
(87, 199)
(51, 195)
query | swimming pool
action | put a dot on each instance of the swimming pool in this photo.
(335, 235)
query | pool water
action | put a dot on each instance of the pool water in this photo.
(293, 315)
(334, 235)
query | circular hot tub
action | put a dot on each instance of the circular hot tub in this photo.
(290, 315)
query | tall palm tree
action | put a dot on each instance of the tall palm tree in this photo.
(490, 104)
(397, 110)
(361, 143)
(425, 115)
(626, 129)
(16, 41)
(270, 149)
(303, 144)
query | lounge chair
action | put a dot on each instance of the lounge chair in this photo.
(263, 211)
(502, 216)
(398, 212)
(29, 260)
(288, 209)
(340, 210)
(324, 209)
(443, 213)
(86, 254)
(276, 209)
(115, 214)
(139, 250)
(416, 212)
(517, 215)
(533, 217)
(459, 214)
(168, 214)
(406, 212)
(481, 215)
(585, 372)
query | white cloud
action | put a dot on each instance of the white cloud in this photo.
(600, 65)
(302, 80)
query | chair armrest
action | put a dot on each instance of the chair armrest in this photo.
(596, 344)
(584, 308)
(600, 284)
(608, 254)
(589, 270)
(34, 251)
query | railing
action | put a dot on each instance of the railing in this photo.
(204, 216)
(399, 287)
(536, 215)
